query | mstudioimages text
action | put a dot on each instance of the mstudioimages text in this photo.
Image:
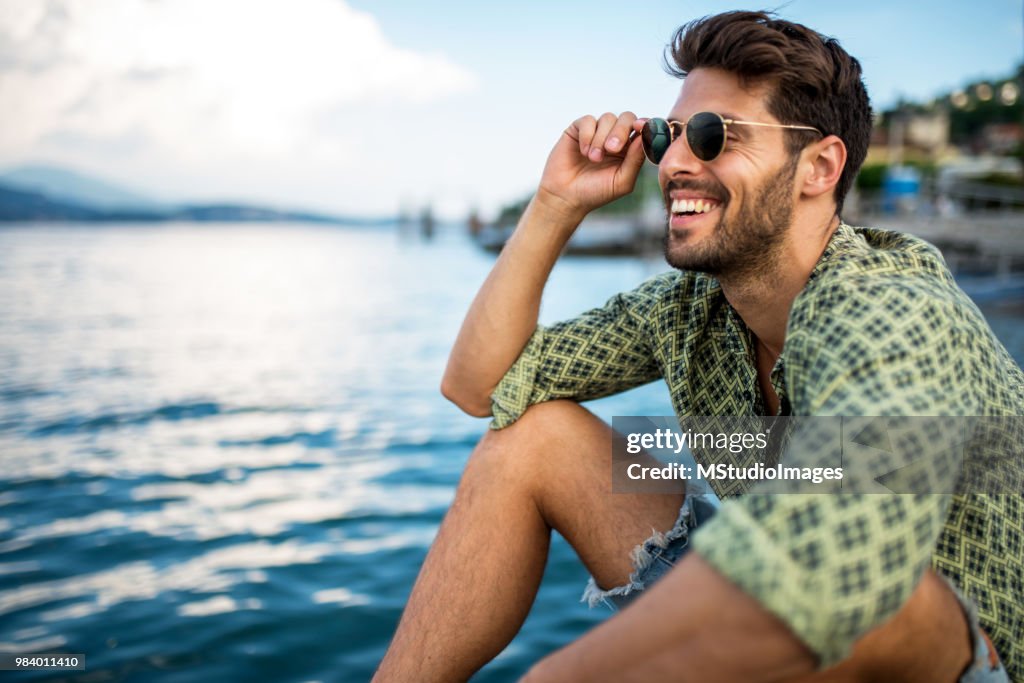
(756, 472)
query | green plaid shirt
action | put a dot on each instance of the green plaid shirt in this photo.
(880, 329)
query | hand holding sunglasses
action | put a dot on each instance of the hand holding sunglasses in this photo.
(595, 161)
(705, 134)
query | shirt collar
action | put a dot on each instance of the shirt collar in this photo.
(843, 237)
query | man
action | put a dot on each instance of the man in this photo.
(777, 308)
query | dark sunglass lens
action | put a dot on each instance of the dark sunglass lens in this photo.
(656, 139)
(706, 134)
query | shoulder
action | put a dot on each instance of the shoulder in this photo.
(884, 317)
(877, 254)
(871, 280)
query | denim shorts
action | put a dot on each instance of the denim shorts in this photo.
(654, 557)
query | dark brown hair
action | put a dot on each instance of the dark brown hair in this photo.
(811, 79)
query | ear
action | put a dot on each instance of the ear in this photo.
(827, 159)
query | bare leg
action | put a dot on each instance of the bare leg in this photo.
(551, 469)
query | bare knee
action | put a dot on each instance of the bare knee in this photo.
(547, 423)
(544, 435)
(555, 413)
(551, 417)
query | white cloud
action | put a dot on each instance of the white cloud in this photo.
(194, 84)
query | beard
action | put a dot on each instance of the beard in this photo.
(748, 243)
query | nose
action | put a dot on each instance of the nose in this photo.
(679, 162)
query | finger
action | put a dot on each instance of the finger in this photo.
(605, 124)
(619, 135)
(582, 130)
(627, 173)
(638, 125)
(634, 157)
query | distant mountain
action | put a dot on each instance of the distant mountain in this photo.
(42, 193)
(19, 205)
(68, 186)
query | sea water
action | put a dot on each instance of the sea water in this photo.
(223, 451)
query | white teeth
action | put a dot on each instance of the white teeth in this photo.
(691, 206)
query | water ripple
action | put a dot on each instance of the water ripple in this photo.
(223, 453)
(212, 572)
(171, 412)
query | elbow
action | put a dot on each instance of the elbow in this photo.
(470, 403)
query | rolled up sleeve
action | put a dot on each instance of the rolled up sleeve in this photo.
(604, 351)
(516, 391)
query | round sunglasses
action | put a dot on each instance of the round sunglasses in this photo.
(705, 134)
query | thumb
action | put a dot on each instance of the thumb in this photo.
(634, 160)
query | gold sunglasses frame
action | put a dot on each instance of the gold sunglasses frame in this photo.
(672, 137)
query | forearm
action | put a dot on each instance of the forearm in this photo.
(504, 313)
(593, 163)
(693, 625)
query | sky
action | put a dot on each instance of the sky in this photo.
(364, 107)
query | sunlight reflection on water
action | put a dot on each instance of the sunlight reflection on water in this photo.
(230, 439)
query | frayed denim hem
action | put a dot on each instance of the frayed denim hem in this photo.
(642, 556)
(981, 669)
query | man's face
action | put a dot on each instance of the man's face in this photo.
(749, 186)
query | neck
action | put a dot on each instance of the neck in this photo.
(763, 299)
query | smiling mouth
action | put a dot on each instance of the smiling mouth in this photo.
(693, 207)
